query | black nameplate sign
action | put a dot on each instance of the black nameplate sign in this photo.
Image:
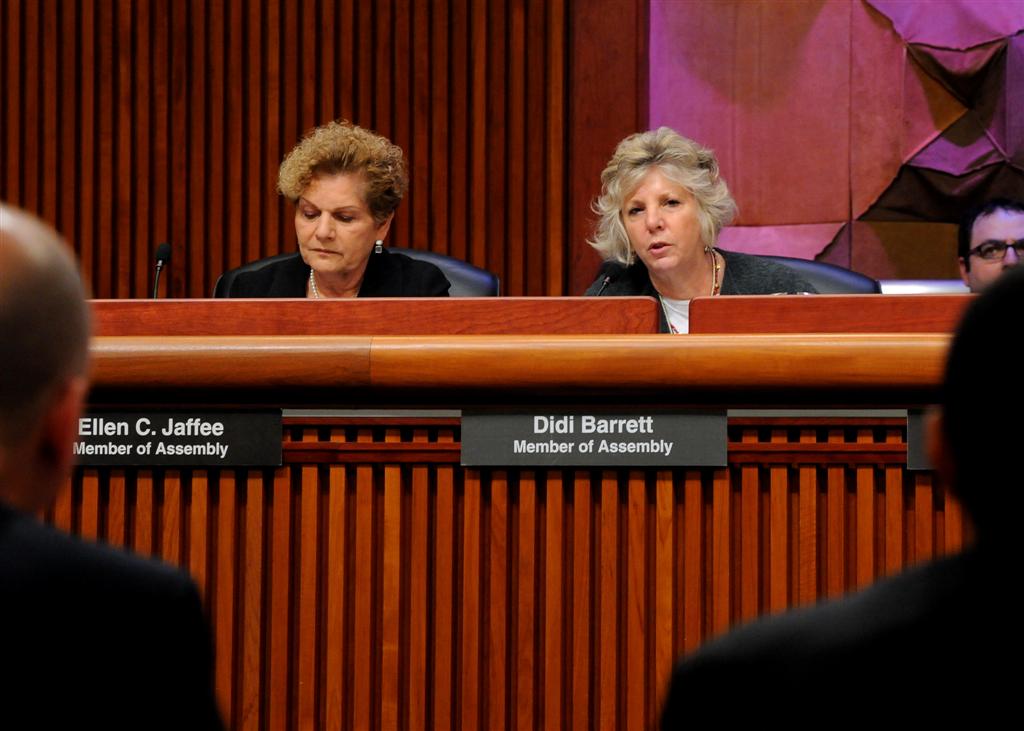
(180, 438)
(595, 439)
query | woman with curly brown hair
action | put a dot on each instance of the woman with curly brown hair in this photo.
(345, 183)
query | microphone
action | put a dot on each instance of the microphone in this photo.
(163, 257)
(607, 280)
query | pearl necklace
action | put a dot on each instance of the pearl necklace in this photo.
(312, 285)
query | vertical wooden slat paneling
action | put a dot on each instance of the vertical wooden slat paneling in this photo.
(144, 514)
(555, 138)
(31, 103)
(179, 142)
(895, 528)
(526, 656)
(444, 171)
(415, 701)
(807, 546)
(89, 521)
(954, 520)
(924, 520)
(498, 617)
(275, 115)
(170, 518)
(523, 257)
(693, 562)
(67, 208)
(778, 532)
(609, 624)
(250, 703)
(835, 549)
(478, 179)
(391, 567)
(117, 509)
(50, 31)
(446, 597)
(85, 237)
(664, 588)
(553, 621)
(172, 121)
(254, 133)
(364, 676)
(126, 171)
(582, 658)
(308, 591)
(198, 548)
(217, 164)
(865, 573)
(442, 711)
(750, 535)
(721, 553)
(232, 96)
(422, 160)
(138, 183)
(636, 602)
(507, 116)
(12, 115)
(334, 618)
(159, 184)
(457, 41)
(281, 585)
(224, 596)
(469, 605)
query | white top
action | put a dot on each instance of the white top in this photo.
(677, 312)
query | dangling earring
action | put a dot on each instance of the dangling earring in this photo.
(378, 247)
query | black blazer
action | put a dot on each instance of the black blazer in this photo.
(387, 275)
(97, 638)
(923, 645)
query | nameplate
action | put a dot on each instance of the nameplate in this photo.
(594, 439)
(180, 438)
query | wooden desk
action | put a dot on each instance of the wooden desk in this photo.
(373, 582)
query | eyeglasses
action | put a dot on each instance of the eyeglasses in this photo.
(996, 250)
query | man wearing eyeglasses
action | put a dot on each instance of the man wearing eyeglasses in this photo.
(990, 241)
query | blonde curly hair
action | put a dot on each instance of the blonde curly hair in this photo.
(681, 160)
(342, 147)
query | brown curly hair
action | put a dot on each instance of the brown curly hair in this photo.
(342, 147)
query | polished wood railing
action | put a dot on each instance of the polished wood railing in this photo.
(373, 582)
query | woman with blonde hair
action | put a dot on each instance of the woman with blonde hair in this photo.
(662, 206)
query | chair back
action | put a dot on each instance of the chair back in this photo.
(466, 280)
(829, 278)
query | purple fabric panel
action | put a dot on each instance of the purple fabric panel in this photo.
(896, 108)
(962, 148)
(955, 24)
(920, 194)
(963, 73)
(804, 242)
(825, 112)
(912, 250)
(1012, 103)
(751, 81)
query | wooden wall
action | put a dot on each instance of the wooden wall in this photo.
(128, 124)
(372, 582)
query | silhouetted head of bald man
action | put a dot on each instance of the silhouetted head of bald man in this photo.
(44, 333)
(89, 635)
